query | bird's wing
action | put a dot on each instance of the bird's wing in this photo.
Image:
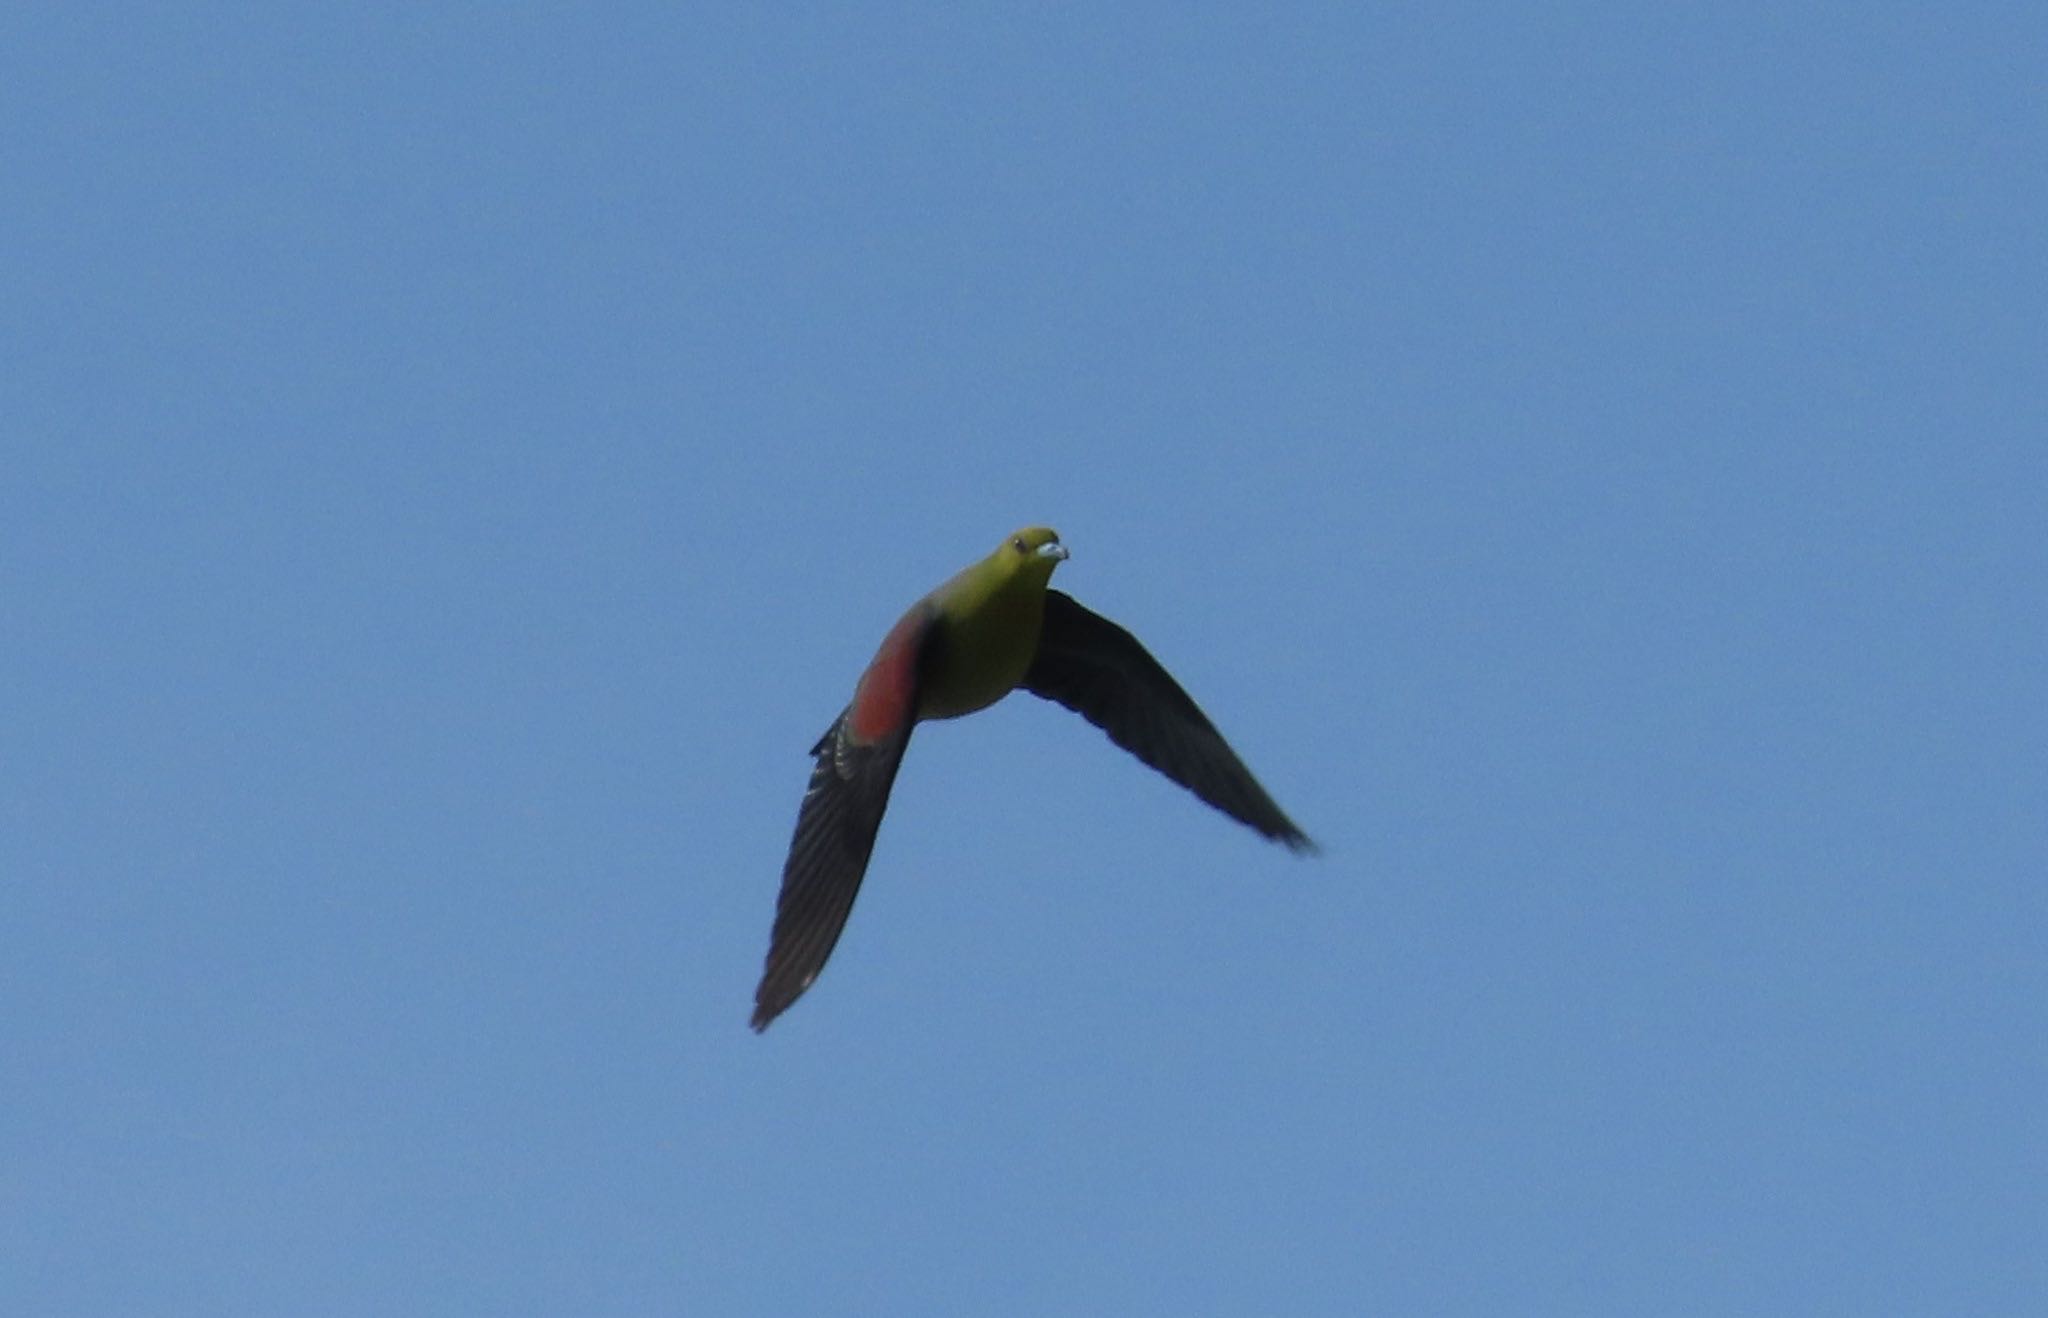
(1101, 672)
(856, 763)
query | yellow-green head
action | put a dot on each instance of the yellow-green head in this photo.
(1031, 553)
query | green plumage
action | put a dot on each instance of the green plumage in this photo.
(986, 626)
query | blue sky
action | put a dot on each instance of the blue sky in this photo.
(1592, 465)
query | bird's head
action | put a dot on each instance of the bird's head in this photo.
(1034, 551)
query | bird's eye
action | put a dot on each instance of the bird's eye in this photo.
(1017, 543)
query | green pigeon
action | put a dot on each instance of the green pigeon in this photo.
(995, 627)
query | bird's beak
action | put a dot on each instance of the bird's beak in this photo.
(1053, 550)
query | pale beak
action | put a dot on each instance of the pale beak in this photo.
(1053, 550)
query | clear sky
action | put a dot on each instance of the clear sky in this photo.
(1593, 465)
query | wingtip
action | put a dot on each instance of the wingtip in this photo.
(1279, 828)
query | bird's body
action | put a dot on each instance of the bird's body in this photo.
(990, 629)
(984, 631)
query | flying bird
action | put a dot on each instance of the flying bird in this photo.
(993, 628)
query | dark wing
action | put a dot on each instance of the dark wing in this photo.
(835, 832)
(856, 765)
(1098, 670)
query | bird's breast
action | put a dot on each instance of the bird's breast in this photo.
(980, 656)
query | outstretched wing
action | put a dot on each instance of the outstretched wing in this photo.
(1101, 672)
(856, 763)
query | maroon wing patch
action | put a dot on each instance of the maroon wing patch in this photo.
(886, 699)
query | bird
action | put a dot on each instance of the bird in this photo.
(994, 627)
